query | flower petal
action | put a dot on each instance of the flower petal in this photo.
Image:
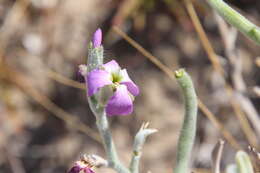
(120, 103)
(111, 66)
(75, 169)
(78, 166)
(88, 170)
(96, 79)
(80, 169)
(131, 86)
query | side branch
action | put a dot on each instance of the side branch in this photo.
(95, 60)
(138, 145)
(237, 20)
(188, 131)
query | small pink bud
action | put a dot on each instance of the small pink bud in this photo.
(81, 167)
(97, 38)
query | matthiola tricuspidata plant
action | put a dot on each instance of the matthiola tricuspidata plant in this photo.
(115, 80)
(110, 91)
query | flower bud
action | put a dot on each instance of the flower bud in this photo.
(81, 166)
(97, 38)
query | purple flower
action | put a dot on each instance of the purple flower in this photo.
(120, 103)
(97, 38)
(81, 167)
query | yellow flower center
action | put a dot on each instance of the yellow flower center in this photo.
(116, 78)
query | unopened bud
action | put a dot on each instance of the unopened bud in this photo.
(81, 167)
(97, 38)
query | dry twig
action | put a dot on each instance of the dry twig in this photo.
(216, 156)
(64, 80)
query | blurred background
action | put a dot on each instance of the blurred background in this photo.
(45, 121)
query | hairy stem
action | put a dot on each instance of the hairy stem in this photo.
(188, 131)
(139, 141)
(237, 20)
(95, 60)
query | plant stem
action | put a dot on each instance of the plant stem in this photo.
(95, 57)
(111, 153)
(237, 20)
(139, 141)
(95, 60)
(188, 131)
